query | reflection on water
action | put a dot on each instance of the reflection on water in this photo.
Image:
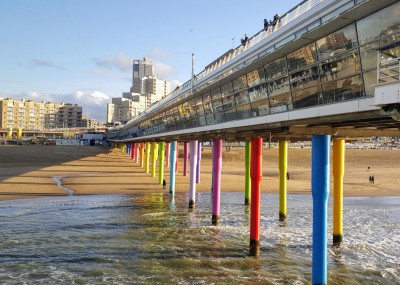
(155, 239)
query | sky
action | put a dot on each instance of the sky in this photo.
(81, 51)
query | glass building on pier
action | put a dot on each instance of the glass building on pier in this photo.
(304, 69)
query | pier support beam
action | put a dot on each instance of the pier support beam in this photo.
(141, 154)
(199, 149)
(338, 173)
(216, 181)
(133, 148)
(193, 172)
(320, 194)
(172, 163)
(147, 158)
(247, 180)
(283, 149)
(185, 157)
(167, 154)
(255, 204)
(153, 158)
(161, 164)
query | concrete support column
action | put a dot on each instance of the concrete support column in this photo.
(283, 149)
(172, 164)
(199, 149)
(338, 173)
(161, 164)
(320, 193)
(147, 158)
(153, 158)
(193, 172)
(255, 204)
(142, 145)
(167, 154)
(247, 180)
(185, 157)
(216, 181)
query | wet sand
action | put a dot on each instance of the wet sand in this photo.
(28, 171)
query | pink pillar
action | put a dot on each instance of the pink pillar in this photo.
(255, 203)
(216, 188)
(193, 172)
(185, 157)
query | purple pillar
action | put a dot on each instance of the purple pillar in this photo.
(216, 188)
(193, 171)
(198, 162)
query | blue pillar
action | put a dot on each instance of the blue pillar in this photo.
(320, 192)
(172, 159)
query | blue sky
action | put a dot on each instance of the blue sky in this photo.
(81, 51)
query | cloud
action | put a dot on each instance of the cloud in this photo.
(44, 63)
(158, 53)
(163, 71)
(121, 62)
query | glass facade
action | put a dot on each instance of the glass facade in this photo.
(338, 67)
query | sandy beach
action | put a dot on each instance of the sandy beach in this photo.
(29, 172)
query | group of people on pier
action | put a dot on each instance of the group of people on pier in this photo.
(267, 25)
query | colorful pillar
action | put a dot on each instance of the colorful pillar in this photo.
(338, 173)
(167, 154)
(185, 157)
(172, 164)
(161, 164)
(320, 193)
(198, 162)
(177, 157)
(153, 159)
(247, 179)
(216, 181)
(147, 158)
(283, 149)
(193, 171)
(255, 204)
(142, 154)
(136, 152)
(133, 151)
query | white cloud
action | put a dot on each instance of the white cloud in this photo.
(158, 53)
(163, 71)
(121, 62)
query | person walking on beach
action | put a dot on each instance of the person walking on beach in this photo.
(164, 184)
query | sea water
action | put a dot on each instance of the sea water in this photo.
(157, 239)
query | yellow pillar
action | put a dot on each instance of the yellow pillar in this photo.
(19, 133)
(338, 173)
(147, 158)
(283, 149)
(153, 159)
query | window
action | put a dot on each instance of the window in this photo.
(304, 78)
(275, 69)
(337, 42)
(306, 97)
(379, 24)
(340, 66)
(302, 57)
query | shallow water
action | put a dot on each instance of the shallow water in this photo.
(153, 239)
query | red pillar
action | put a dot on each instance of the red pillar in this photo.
(255, 204)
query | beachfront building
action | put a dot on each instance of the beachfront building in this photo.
(31, 115)
(146, 89)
